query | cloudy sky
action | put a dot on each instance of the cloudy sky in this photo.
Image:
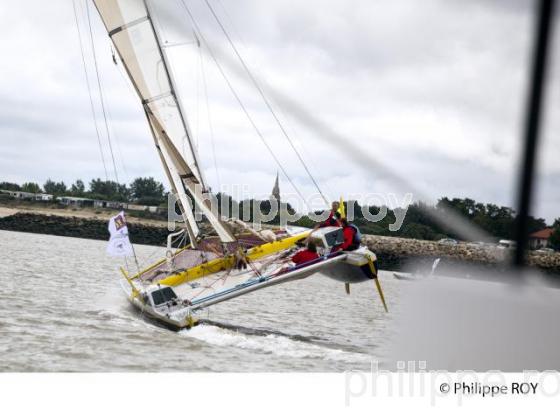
(433, 91)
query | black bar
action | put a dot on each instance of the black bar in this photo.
(532, 122)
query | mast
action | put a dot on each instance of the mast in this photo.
(190, 182)
(168, 71)
(131, 28)
(186, 211)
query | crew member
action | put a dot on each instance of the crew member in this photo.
(306, 255)
(351, 236)
(333, 218)
(240, 259)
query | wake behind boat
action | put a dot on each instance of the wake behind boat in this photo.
(411, 276)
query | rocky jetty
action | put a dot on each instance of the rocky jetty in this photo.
(410, 255)
(418, 255)
(88, 228)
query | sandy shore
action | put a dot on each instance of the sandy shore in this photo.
(7, 211)
(85, 213)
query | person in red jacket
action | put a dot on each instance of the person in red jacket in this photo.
(306, 255)
(349, 234)
(333, 218)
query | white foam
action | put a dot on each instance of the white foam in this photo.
(272, 344)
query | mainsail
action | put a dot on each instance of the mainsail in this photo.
(136, 39)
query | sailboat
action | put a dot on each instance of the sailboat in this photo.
(212, 270)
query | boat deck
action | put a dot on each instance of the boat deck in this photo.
(212, 284)
(208, 249)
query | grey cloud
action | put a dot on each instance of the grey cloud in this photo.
(455, 69)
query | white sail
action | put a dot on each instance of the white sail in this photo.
(137, 42)
(176, 162)
(175, 181)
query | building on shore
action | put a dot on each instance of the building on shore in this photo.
(75, 201)
(276, 189)
(100, 203)
(28, 195)
(79, 202)
(540, 239)
(136, 207)
(44, 197)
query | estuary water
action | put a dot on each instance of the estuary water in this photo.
(62, 309)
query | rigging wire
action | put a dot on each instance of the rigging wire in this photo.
(197, 125)
(265, 99)
(101, 94)
(285, 119)
(165, 44)
(294, 132)
(89, 89)
(238, 99)
(233, 28)
(126, 81)
(120, 156)
(168, 70)
(211, 128)
(365, 160)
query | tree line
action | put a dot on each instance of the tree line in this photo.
(498, 221)
(144, 191)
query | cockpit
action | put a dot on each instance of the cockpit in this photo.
(163, 295)
(325, 239)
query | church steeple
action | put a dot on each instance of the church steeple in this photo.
(276, 189)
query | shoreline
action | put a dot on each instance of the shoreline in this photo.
(410, 255)
(99, 214)
(80, 227)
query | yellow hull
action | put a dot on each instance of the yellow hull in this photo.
(228, 262)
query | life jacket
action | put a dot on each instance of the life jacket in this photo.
(332, 220)
(357, 235)
(304, 256)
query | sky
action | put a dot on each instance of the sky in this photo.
(432, 91)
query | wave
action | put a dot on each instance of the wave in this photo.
(271, 342)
